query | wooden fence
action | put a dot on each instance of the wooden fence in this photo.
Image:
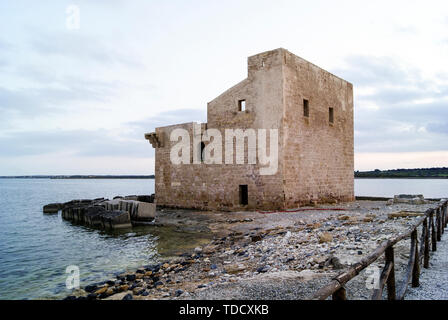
(433, 224)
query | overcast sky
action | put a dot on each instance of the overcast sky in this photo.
(78, 101)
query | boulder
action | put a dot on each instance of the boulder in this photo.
(115, 220)
(144, 211)
(92, 216)
(52, 208)
(409, 198)
(325, 237)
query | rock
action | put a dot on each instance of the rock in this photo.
(209, 249)
(325, 237)
(52, 208)
(131, 277)
(409, 198)
(232, 269)
(165, 266)
(144, 293)
(92, 216)
(90, 288)
(198, 250)
(336, 262)
(343, 217)
(153, 267)
(128, 297)
(116, 220)
(122, 288)
(143, 211)
(91, 296)
(403, 214)
(100, 291)
(213, 266)
(179, 292)
(263, 269)
(256, 238)
(136, 291)
(70, 298)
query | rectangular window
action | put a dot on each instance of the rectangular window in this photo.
(306, 108)
(244, 195)
(331, 115)
(242, 105)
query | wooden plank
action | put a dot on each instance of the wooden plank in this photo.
(409, 270)
(426, 253)
(416, 269)
(391, 291)
(433, 232)
(378, 293)
(340, 294)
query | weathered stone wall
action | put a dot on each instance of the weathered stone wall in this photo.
(315, 157)
(318, 159)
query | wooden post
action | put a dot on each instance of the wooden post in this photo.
(433, 232)
(445, 217)
(439, 225)
(339, 294)
(426, 250)
(391, 291)
(416, 269)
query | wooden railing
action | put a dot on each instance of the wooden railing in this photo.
(433, 222)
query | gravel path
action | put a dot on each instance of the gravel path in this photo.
(433, 281)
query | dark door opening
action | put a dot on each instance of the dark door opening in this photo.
(244, 196)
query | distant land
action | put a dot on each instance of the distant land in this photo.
(80, 177)
(441, 173)
(433, 173)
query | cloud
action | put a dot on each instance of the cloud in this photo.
(58, 96)
(83, 48)
(75, 142)
(401, 111)
(128, 141)
(167, 118)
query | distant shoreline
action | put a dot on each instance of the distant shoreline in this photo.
(81, 177)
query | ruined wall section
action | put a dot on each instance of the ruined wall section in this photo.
(211, 186)
(318, 156)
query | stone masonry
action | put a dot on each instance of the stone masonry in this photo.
(313, 112)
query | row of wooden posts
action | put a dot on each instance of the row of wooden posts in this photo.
(433, 224)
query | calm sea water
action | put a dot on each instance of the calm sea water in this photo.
(35, 249)
(430, 188)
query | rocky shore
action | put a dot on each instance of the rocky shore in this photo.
(255, 255)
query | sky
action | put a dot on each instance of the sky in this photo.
(77, 95)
